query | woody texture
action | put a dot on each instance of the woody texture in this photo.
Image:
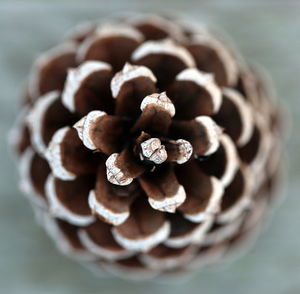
(148, 146)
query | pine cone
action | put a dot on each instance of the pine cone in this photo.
(148, 146)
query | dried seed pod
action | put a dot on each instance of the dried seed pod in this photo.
(139, 142)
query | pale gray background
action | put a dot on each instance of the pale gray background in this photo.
(265, 31)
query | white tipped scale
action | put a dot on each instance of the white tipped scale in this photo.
(100, 251)
(222, 51)
(146, 243)
(61, 241)
(201, 231)
(185, 151)
(24, 170)
(204, 80)
(34, 78)
(213, 132)
(232, 160)
(169, 262)
(245, 114)
(194, 237)
(35, 119)
(208, 257)
(171, 28)
(76, 76)
(235, 211)
(129, 73)
(115, 174)
(213, 206)
(258, 164)
(169, 204)
(114, 218)
(274, 158)
(256, 214)
(54, 156)
(82, 29)
(132, 273)
(119, 30)
(83, 127)
(58, 210)
(161, 100)
(153, 150)
(107, 31)
(15, 132)
(26, 184)
(221, 234)
(243, 203)
(167, 47)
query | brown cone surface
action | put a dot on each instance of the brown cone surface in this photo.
(148, 147)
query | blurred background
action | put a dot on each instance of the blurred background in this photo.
(265, 31)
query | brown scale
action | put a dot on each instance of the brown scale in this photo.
(165, 258)
(24, 140)
(233, 192)
(207, 60)
(165, 67)
(115, 50)
(74, 194)
(228, 114)
(55, 117)
(249, 151)
(154, 120)
(215, 164)
(94, 93)
(179, 225)
(151, 31)
(197, 185)
(26, 98)
(75, 157)
(100, 233)
(185, 94)
(217, 228)
(39, 171)
(130, 164)
(71, 234)
(138, 225)
(52, 75)
(162, 252)
(114, 198)
(131, 95)
(193, 132)
(110, 133)
(79, 34)
(131, 263)
(246, 85)
(160, 184)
